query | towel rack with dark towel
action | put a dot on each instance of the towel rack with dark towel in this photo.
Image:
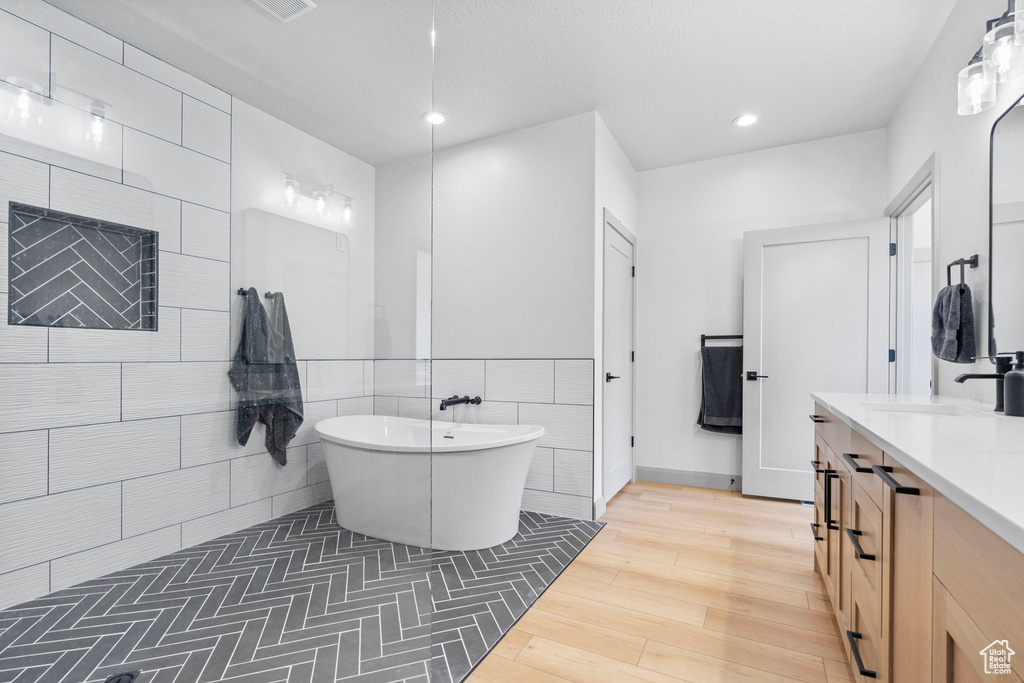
(266, 295)
(721, 401)
(972, 262)
(705, 337)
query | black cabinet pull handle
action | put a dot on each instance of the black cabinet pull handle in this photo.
(814, 532)
(829, 522)
(883, 472)
(814, 466)
(849, 458)
(853, 637)
(817, 418)
(853, 534)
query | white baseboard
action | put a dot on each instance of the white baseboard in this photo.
(600, 507)
(706, 480)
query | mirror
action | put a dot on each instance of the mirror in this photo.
(1006, 239)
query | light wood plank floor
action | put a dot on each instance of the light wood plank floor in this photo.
(683, 584)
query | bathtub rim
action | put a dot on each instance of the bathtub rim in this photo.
(524, 434)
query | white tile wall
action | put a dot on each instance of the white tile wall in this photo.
(311, 414)
(558, 504)
(401, 378)
(356, 406)
(183, 388)
(73, 569)
(565, 426)
(97, 454)
(163, 499)
(574, 381)
(176, 78)
(204, 335)
(57, 136)
(52, 19)
(541, 475)
(521, 380)
(205, 232)
(80, 77)
(457, 377)
(22, 180)
(367, 378)
(302, 498)
(96, 198)
(69, 345)
(24, 466)
(488, 412)
(41, 529)
(59, 395)
(415, 408)
(259, 476)
(191, 282)
(20, 343)
(206, 129)
(316, 466)
(24, 584)
(574, 472)
(385, 405)
(152, 163)
(210, 437)
(24, 52)
(196, 531)
(327, 379)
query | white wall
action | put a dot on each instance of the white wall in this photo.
(690, 274)
(926, 123)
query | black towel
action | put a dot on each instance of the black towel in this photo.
(953, 337)
(721, 401)
(266, 376)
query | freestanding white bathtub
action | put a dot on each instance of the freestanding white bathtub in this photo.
(453, 487)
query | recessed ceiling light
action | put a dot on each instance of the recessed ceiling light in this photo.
(435, 118)
(744, 120)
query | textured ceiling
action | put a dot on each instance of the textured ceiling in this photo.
(667, 76)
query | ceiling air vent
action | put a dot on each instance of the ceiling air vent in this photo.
(286, 10)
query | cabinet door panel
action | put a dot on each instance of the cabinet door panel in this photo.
(957, 643)
(866, 525)
(865, 621)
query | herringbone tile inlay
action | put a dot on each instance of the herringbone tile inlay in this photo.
(294, 599)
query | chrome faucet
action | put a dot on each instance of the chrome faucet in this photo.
(455, 400)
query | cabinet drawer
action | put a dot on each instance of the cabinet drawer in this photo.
(864, 455)
(865, 620)
(821, 462)
(834, 431)
(865, 525)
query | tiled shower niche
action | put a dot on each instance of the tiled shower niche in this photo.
(73, 271)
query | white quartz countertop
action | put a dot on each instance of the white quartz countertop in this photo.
(974, 457)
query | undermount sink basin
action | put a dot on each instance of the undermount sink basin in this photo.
(918, 408)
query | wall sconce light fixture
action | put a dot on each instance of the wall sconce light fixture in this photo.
(291, 191)
(296, 187)
(999, 59)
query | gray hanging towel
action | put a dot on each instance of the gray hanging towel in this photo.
(266, 376)
(721, 401)
(953, 337)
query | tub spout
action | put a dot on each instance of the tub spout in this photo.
(455, 400)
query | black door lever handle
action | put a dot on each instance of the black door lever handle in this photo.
(608, 377)
(752, 376)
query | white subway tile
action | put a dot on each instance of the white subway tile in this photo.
(287, 503)
(574, 382)
(541, 475)
(163, 499)
(575, 507)
(301, 366)
(191, 282)
(56, 135)
(367, 378)
(111, 201)
(415, 408)
(316, 465)
(488, 413)
(457, 377)
(70, 345)
(259, 476)
(385, 405)
(97, 454)
(210, 437)
(163, 389)
(203, 529)
(24, 584)
(40, 529)
(24, 466)
(355, 406)
(327, 379)
(81, 78)
(151, 163)
(59, 395)
(312, 413)
(24, 53)
(205, 335)
(74, 569)
(521, 380)
(20, 343)
(63, 24)
(401, 378)
(176, 78)
(22, 180)
(206, 129)
(205, 232)
(565, 426)
(574, 472)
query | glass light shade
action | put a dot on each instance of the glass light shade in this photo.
(976, 89)
(320, 206)
(346, 215)
(1003, 54)
(94, 135)
(291, 192)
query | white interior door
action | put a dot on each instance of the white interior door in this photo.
(815, 318)
(618, 357)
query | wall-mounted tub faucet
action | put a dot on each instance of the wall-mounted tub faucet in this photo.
(455, 400)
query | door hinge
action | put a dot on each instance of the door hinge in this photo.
(892, 248)
(892, 355)
(631, 442)
(634, 271)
